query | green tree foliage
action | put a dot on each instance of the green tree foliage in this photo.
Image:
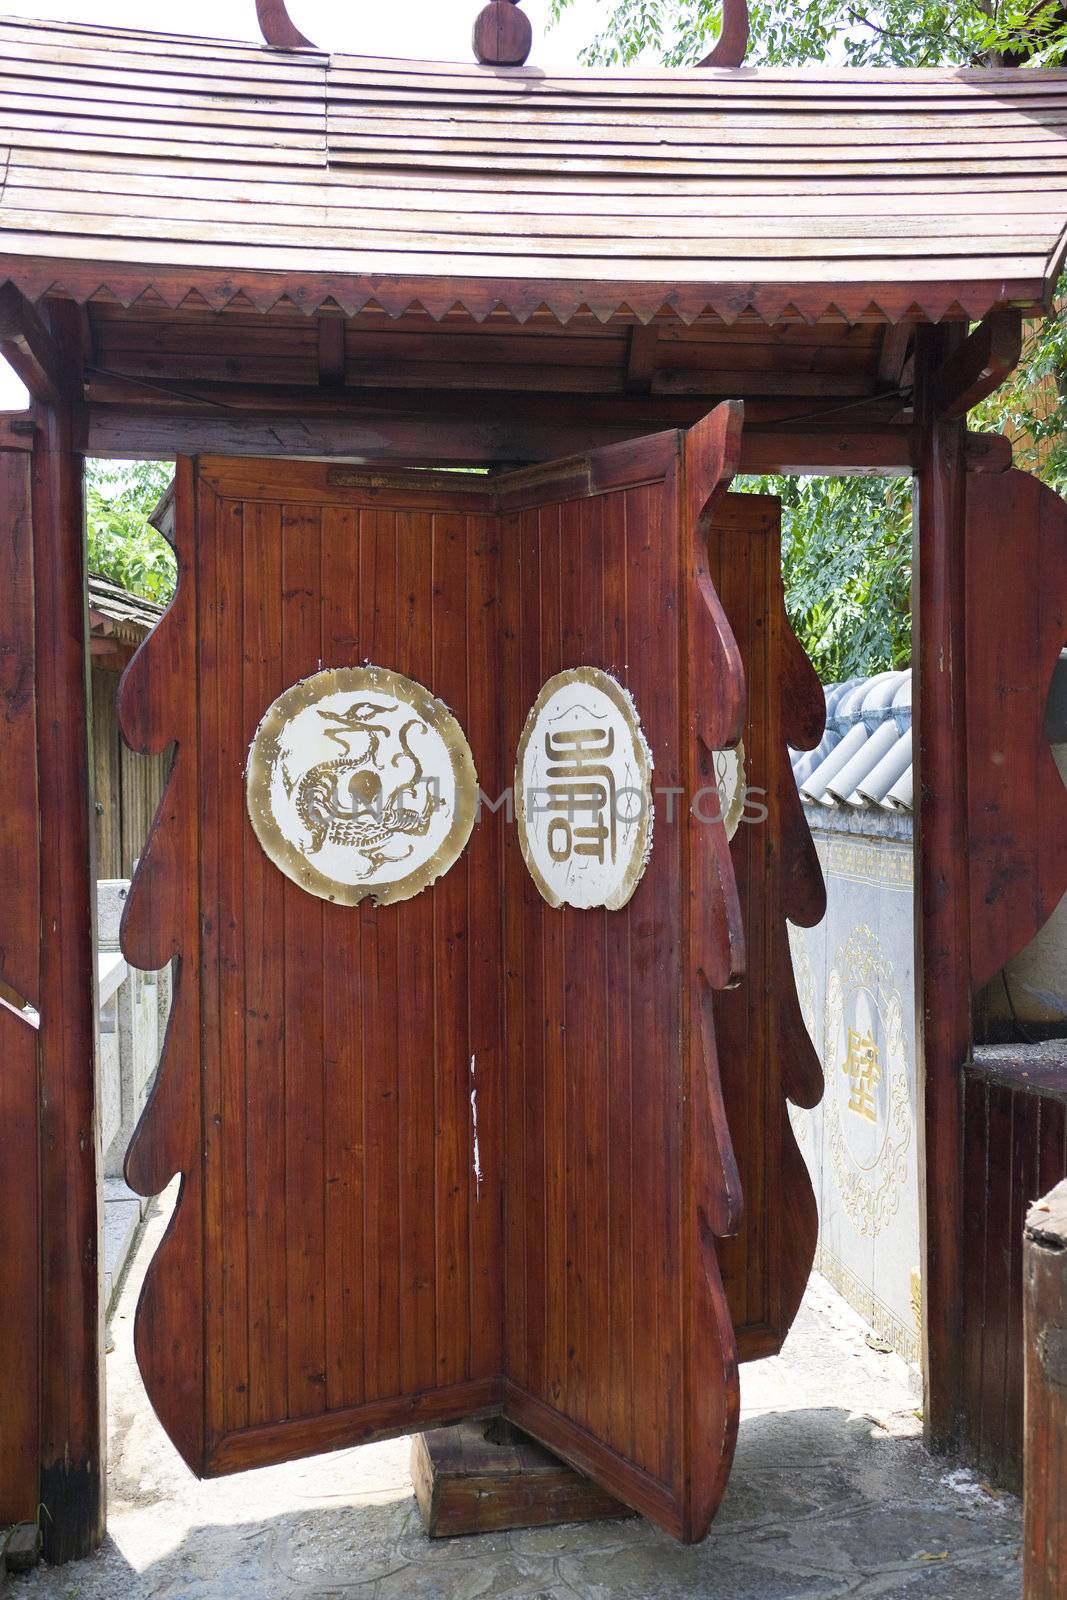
(895, 33)
(846, 563)
(847, 541)
(123, 546)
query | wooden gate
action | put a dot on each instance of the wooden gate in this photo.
(464, 1153)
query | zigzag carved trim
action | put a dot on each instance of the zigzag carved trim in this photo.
(216, 288)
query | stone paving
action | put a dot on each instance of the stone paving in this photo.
(831, 1495)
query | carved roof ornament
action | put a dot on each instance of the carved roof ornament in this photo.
(277, 27)
(733, 36)
(502, 34)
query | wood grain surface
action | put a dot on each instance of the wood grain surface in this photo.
(20, 999)
(766, 1055)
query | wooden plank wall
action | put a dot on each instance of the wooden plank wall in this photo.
(1015, 1144)
(595, 997)
(338, 1053)
(620, 1347)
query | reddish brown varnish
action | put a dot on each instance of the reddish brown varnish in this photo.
(336, 1269)
(766, 1056)
(20, 980)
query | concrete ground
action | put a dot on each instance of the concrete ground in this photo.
(831, 1495)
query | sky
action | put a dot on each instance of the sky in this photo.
(435, 30)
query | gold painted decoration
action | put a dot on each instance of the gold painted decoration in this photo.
(360, 782)
(583, 791)
(868, 1106)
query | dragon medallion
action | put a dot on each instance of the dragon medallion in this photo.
(360, 782)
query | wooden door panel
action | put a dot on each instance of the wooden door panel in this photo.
(345, 1262)
(464, 1153)
(620, 1350)
(766, 1054)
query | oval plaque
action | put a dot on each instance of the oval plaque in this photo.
(583, 791)
(360, 782)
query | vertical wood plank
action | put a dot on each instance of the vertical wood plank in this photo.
(212, 529)
(976, 1225)
(626, 514)
(264, 1041)
(519, 958)
(380, 941)
(415, 1041)
(302, 920)
(233, 999)
(454, 1157)
(486, 1171)
(942, 905)
(72, 1390)
(343, 989)
(551, 1107)
(995, 1329)
(20, 938)
(1025, 1161)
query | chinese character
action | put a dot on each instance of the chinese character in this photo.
(863, 1072)
(584, 784)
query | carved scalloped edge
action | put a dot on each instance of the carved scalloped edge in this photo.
(717, 715)
(160, 922)
(803, 902)
(716, 706)
(311, 292)
(803, 887)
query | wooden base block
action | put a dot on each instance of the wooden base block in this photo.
(481, 1477)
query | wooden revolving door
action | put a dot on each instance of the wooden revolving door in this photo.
(441, 1079)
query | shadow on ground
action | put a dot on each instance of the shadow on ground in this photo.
(832, 1495)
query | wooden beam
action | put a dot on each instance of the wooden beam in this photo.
(16, 430)
(331, 342)
(896, 343)
(72, 1391)
(641, 357)
(455, 439)
(977, 366)
(942, 899)
(988, 452)
(30, 349)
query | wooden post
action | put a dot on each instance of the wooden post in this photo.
(19, 1002)
(1045, 1356)
(72, 1391)
(942, 902)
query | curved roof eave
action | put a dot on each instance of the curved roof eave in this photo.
(136, 163)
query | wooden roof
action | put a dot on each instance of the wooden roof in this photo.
(140, 161)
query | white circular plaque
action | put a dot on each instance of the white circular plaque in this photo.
(583, 791)
(359, 782)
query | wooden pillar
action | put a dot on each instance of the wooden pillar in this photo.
(942, 899)
(1045, 1358)
(72, 1391)
(19, 1001)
